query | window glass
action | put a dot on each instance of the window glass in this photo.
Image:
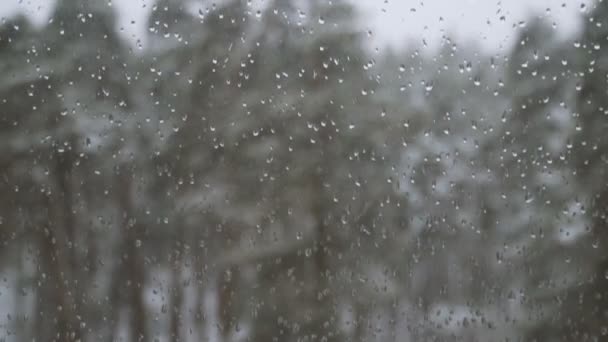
(303, 170)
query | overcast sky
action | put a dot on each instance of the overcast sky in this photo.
(390, 21)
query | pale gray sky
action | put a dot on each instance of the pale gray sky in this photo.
(390, 21)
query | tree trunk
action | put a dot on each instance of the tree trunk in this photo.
(361, 317)
(226, 301)
(323, 325)
(200, 314)
(177, 288)
(133, 263)
(59, 294)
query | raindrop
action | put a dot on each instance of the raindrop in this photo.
(428, 86)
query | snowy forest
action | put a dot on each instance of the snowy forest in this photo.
(261, 174)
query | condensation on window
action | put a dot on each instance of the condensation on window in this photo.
(303, 170)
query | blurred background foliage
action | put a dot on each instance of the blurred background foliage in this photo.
(262, 175)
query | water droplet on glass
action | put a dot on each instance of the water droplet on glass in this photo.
(428, 86)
